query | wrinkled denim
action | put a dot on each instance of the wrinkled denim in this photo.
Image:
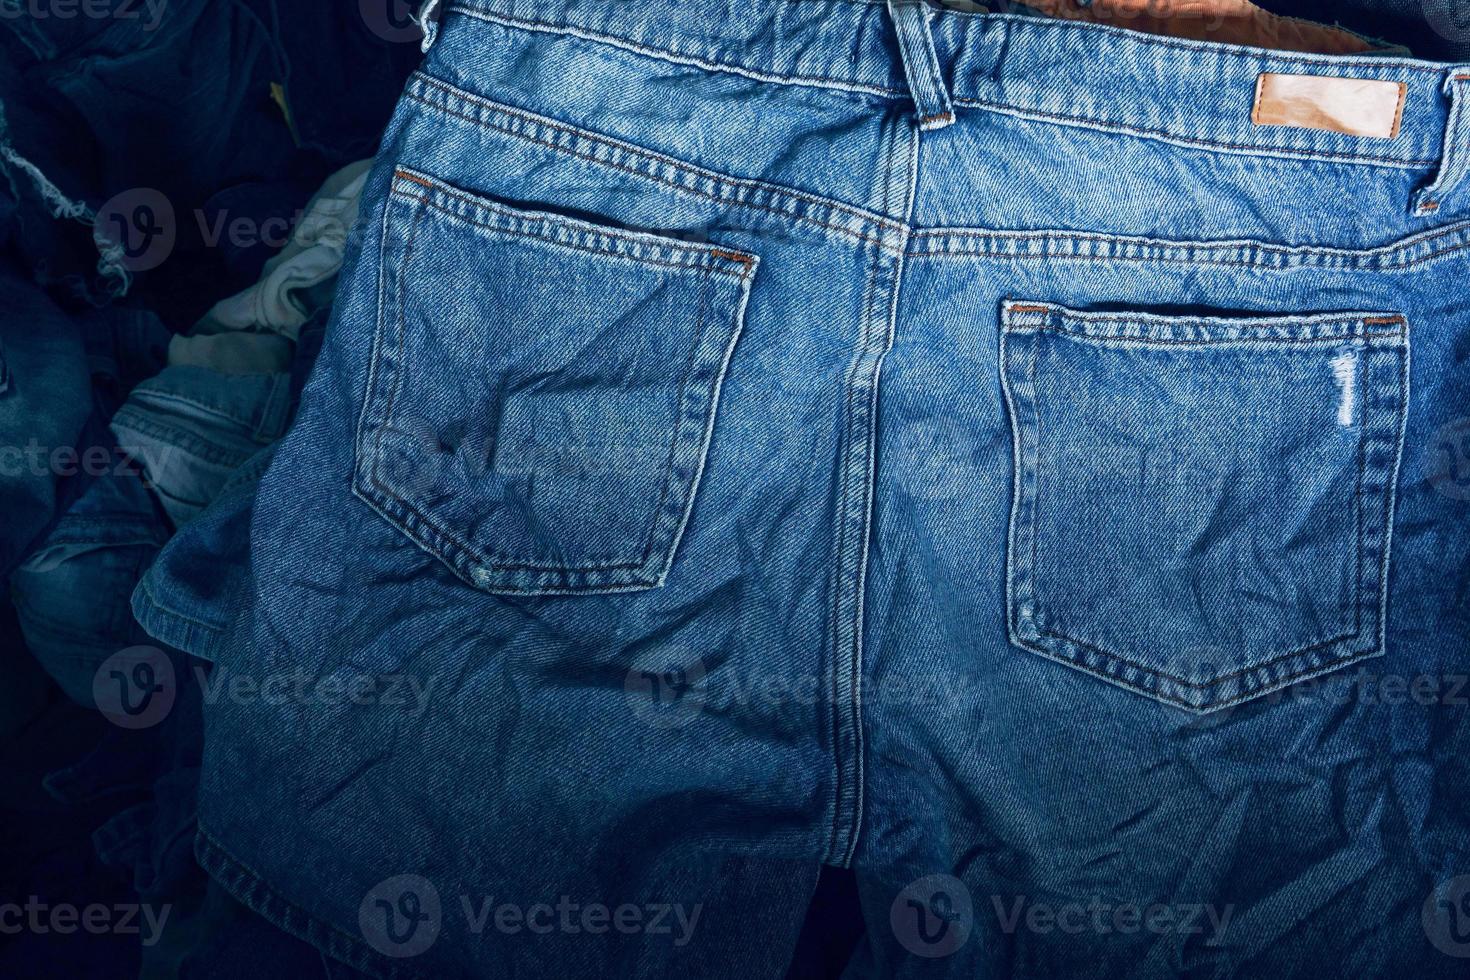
(964, 448)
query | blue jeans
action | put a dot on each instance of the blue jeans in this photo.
(979, 450)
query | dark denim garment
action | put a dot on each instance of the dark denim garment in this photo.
(71, 590)
(45, 398)
(191, 428)
(964, 448)
(71, 593)
(150, 122)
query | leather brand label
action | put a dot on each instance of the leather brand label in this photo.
(1356, 106)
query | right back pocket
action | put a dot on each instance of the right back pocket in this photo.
(1203, 506)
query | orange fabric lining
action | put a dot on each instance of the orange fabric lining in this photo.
(1226, 21)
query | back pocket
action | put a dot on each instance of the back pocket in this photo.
(1202, 506)
(543, 390)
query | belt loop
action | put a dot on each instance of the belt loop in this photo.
(920, 63)
(1455, 166)
(428, 21)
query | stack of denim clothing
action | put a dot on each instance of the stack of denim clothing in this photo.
(180, 188)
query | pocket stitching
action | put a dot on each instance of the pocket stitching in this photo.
(1394, 425)
(581, 231)
(450, 547)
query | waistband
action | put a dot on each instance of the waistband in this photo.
(1197, 94)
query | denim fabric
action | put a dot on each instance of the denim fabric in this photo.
(71, 593)
(1038, 505)
(71, 590)
(191, 428)
(44, 402)
(160, 115)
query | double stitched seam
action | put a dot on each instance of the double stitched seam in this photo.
(397, 383)
(581, 236)
(676, 56)
(307, 926)
(864, 338)
(360, 436)
(734, 190)
(890, 323)
(1261, 324)
(1195, 254)
(1348, 264)
(1254, 149)
(168, 610)
(1358, 584)
(668, 478)
(1159, 694)
(1034, 515)
(1359, 519)
(694, 191)
(165, 398)
(1153, 342)
(1203, 685)
(573, 245)
(1401, 407)
(456, 541)
(1018, 458)
(846, 479)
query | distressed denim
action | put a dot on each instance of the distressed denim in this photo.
(967, 448)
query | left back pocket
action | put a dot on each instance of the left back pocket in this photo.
(542, 390)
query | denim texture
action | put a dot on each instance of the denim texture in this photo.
(190, 428)
(44, 402)
(71, 593)
(970, 451)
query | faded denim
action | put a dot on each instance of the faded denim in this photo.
(965, 448)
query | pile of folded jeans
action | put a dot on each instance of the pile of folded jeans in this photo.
(178, 181)
(496, 468)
